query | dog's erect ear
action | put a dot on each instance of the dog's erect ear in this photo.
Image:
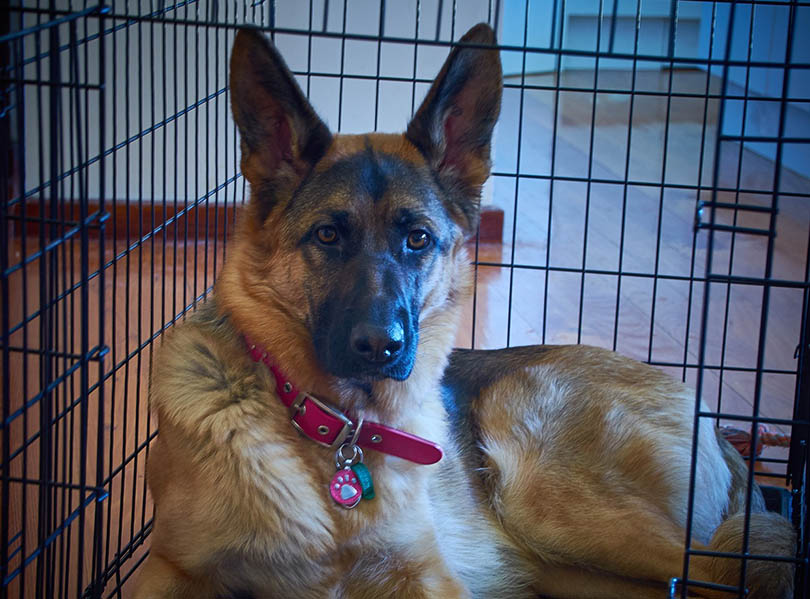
(453, 126)
(281, 135)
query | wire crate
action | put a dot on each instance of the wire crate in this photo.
(650, 194)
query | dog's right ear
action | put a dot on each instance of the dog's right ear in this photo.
(281, 135)
(453, 126)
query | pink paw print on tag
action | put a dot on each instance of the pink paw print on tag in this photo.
(345, 488)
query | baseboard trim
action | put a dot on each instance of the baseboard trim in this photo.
(143, 220)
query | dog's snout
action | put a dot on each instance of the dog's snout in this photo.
(377, 344)
(368, 334)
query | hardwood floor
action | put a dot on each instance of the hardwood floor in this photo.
(575, 266)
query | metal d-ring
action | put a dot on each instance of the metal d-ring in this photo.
(341, 461)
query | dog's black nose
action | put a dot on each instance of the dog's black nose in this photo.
(376, 344)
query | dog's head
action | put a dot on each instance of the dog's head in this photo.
(355, 240)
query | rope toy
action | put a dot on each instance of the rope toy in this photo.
(741, 440)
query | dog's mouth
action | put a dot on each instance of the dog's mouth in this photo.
(359, 371)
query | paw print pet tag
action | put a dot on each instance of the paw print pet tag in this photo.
(352, 482)
(346, 490)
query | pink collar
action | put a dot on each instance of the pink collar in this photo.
(330, 427)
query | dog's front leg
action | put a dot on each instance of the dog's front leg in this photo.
(160, 579)
(416, 573)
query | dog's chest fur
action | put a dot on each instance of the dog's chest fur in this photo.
(265, 488)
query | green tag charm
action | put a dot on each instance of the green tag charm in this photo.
(364, 477)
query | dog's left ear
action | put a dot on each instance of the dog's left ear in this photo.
(281, 135)
(453, 126)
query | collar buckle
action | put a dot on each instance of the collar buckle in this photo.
(298, 407)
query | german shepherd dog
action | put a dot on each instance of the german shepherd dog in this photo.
(321, 373)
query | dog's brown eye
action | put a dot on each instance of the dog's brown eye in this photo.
(327, 234)
(418, 239)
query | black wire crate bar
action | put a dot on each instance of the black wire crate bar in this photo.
(52, 304)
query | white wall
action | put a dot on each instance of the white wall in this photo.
(158, 73)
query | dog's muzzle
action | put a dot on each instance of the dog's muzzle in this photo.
(367, 344)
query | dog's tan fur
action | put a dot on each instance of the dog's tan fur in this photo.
(565, 474)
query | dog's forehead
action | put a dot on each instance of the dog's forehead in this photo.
(393, 144)
(375, 173)
(373, 164)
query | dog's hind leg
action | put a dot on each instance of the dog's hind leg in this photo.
(574, 520)
(616, 555)
(573, 582)
(601, 546)
(620, 555)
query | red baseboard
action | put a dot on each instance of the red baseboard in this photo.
(134, 221)
(490, 228)
(137, 220)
